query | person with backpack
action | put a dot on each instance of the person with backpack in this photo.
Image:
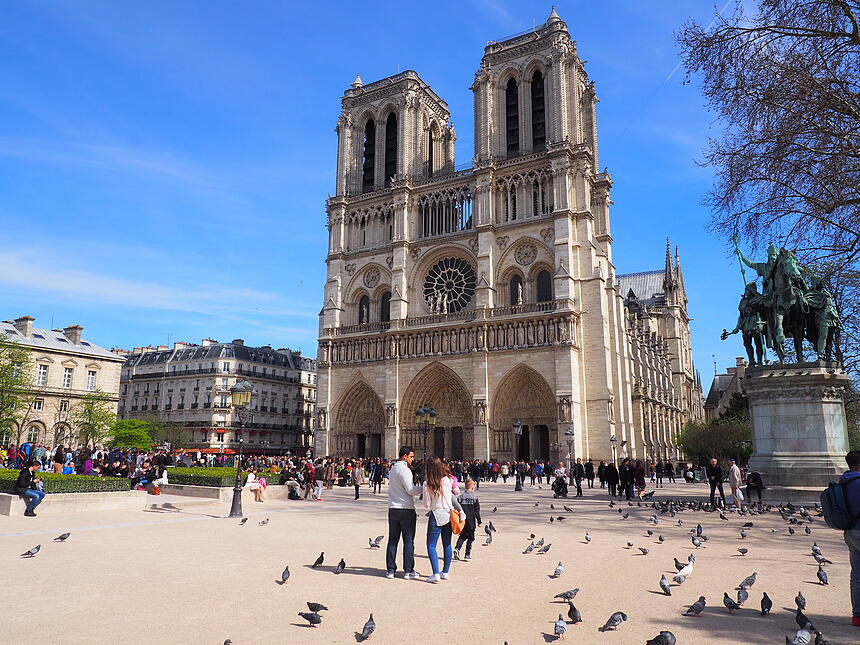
(850, 483)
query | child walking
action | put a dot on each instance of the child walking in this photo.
(472, 507)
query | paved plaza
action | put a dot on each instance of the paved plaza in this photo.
(189, 575)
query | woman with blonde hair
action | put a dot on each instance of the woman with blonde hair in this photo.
(439, 501)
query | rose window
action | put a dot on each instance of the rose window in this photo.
(449, 286)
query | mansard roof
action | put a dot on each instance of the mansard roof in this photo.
(53, 340)
(265, 355)
(647, 286)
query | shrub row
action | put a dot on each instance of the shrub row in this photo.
(202, 476)
(67, 483)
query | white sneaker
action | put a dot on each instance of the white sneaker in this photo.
(389, 574)
(444, 576)
(411, 576)
(434, 578)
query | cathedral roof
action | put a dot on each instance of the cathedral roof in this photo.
(646, 285)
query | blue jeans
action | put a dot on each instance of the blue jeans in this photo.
(33, 497)
(433, 533)
(852, 539)
(401, 523)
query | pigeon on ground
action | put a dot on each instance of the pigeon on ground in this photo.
(570, 594)
(319, 561)
(698, 529)
(559, 569)
(697, 542)
(487, 529)
(808, 531)
(614, 621)
(264, 522)
(816, 548)
(820, 559)
(749, 581)
(568, 509)
(495, 508)
(375, 543)
(800, 601)
(822, 575)
(313, 618)
(62, 538)
(743, 534)
(316, 607)
(529, 548)
(340, 566)
(664, 585)
(729, 602)
(649, 533)
(539, 543)
(723, 517)
(368, 629)
(679, 579)
(748, 525)
(801, 637)
(625, 516)
(545, 548)
(560, 627)
(285, 575)
(696, 608)
(242, 521)
(587, 538)
(661, 539)
(489, 539)
(644, 550)
(766, 604)
(551, 519)
(687, 571)
(802, 621)
(743, 596)
(819, 639)
(743, 551)
(32, 552)
(630, 546)
(228, 642)
(663, 638)
(573, 613)
(491, 527)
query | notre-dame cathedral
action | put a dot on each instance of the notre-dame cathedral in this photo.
(489, 294)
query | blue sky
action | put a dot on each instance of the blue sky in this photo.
(164, 165)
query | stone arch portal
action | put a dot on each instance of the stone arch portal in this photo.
(523, 395)
(440, 388)
(359, 423)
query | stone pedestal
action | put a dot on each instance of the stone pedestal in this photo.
(798, 421)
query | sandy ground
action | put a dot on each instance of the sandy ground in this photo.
(194, 576)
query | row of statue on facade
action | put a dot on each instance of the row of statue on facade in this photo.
(787, 307)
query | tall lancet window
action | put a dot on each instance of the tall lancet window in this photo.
(368, 161)
(390, 148)
(538, 113)
(430, 143)
(512, 118)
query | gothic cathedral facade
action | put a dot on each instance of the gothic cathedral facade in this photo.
(489, 295)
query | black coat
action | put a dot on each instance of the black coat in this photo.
(589, 470)
(715, 473)
(24, 481)
(611, 474)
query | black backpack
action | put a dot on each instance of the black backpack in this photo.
(834, 504)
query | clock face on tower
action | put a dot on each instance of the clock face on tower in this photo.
(449, 286)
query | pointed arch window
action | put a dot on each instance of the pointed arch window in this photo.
(363, 310)
(512, 118)
(538, 113)
(431, 136)
(516, 290)
(390, 148)
(368, 162)
(385, 307)
(544, 286)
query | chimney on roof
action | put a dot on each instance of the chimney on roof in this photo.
(161, 348)
(73, 333)
(265, 347)
(179, 345)
(209, 341)
(238, 341)
(24, 325)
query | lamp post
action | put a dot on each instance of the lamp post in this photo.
(517, 427)
(612, 442)
(569, 436)
(240, 395)
(425, 419)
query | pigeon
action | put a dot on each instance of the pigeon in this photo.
(630, 546)
(822, 575)
(529, 548)
(340, 566)
(800, 601)
(749, 581)
(816, 548)
(679, 579)
(228, 642)
(495, 508)
(539, 543)
(820, 559)
(743, 551)
(613, 621)
(802, 621)
(487, 529)
(489, 539)
(368, 629)
(551, 519)
(698, 530)
(587, 538)
(319, 561)
(743, 534)
(264, 522)
(65, 536)
(568, 509)
(687, 571)
(723, 517)
(697, 542)
(644, 551)
(375, 543)
(729, 602)
(573, 613)
(819, 639)
(691, 558)
(808, 531)
(316, 607)
(491, 527)
(625, 516)
(559, 569)
(661, 539)
(679, 565)
(743, 596)
(570, 594)
(313, 618)
(801, 637)
(285, 575)
(649, 533)
(663, 638)
(531, 536)
(560, 627)
(242, 521)
(790, 530)
(664, 585)
(32, 552)
(766, 604)
(544, 548)
(696, 608)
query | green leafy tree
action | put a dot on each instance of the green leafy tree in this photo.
(131, 433)
(16, 392)
(728, 436)
(93, 418)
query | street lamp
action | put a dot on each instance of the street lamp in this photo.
(569, 436)
(425, 419)
(517, 427)
(240, 395)
(612, 442)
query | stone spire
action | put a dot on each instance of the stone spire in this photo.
(553, 16)
(669, 271)
(357, 82)
(679, 277)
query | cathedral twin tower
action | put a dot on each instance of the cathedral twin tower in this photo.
(489, 295)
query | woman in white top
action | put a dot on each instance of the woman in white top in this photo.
(439, 500)
(254, 485)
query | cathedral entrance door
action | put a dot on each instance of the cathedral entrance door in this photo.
(543, 443)
(524, 448)
(457, 443)
(375, 445)
(439, 442)
(360, 445)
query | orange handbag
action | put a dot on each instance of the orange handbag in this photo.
(456, 525)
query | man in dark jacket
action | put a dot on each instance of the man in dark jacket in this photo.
(589, 472)
(715, 479)
(25, 486)
(611, 474)
(578, 476)
(851, 481)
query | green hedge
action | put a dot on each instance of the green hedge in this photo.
(67, 483)
(202, 476)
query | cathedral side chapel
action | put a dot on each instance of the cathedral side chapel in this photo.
(489, 294)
